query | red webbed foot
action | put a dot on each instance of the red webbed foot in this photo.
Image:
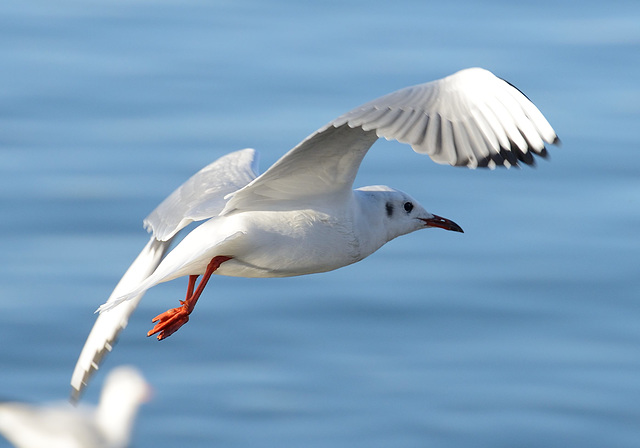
(170, 321)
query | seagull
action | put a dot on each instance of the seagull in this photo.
(109, 425)
(302, 215)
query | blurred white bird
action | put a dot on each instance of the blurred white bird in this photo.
(301, 216)
(62, 425)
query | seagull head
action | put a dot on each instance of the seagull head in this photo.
(125, 389)
(401, 214)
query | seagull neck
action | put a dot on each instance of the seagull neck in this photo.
(115, 415)
(369, 224)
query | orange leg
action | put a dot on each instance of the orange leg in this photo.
(192, 284)
(170, 321)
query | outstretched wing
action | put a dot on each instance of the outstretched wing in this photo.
(471, 118)
(200, 197)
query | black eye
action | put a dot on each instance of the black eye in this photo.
(408, 206)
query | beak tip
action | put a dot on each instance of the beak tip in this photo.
(443, 223)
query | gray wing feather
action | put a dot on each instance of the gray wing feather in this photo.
(108, 326)
(321, 166)
(202, 196)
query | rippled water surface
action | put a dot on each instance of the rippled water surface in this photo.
(523, 331)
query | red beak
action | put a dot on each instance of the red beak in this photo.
(443, 223)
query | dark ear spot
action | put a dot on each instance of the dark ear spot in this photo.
(389, 207)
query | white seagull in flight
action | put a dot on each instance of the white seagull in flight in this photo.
(302, 216)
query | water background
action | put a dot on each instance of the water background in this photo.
(523, 331)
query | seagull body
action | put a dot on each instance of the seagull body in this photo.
(302, 215)
(285, 243)
(64, 426)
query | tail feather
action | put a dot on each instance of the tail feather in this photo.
(115, 300)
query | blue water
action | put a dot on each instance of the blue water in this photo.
(523, 331)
